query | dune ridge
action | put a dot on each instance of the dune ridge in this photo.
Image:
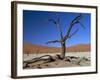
(31, 48)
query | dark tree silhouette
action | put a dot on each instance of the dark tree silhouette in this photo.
(69, 32)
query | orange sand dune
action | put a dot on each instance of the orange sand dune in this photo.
(30, 48)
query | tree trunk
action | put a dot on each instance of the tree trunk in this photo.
(63, 50)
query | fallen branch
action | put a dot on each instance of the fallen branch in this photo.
(42, 58)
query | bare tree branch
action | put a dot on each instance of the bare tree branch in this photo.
(48, 59)
(73, 33)
(76, 20)
(57, 23)
(55, 41)
(53, 21)
(82, 25)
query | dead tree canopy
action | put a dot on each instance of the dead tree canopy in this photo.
(69, 33)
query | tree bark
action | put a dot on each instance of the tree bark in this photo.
(63, 50)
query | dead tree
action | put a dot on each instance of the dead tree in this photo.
(69, 33)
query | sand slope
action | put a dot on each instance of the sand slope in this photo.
(30, 48)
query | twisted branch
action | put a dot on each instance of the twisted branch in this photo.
(76, 20)
(57, 23)
(55, 41)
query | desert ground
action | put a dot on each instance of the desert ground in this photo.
(76, 55)
(72, 59)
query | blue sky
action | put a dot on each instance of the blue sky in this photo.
(38, 30)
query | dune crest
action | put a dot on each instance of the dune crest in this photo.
(31, 48)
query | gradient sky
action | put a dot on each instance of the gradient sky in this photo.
(38, 30)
